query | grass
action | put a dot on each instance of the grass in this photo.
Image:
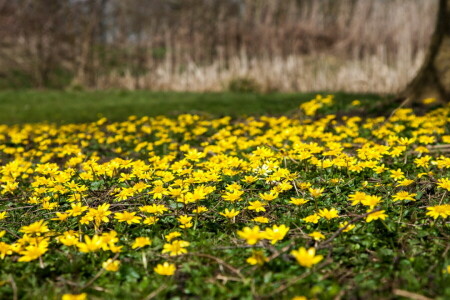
(31, 106)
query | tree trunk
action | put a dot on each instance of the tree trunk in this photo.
(433, 78)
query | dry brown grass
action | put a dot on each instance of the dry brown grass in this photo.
(201, 45)
(377, 47)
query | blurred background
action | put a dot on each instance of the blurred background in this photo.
(214, 45)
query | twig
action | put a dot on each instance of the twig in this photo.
(155, 292)
(16, 208)
(410, 295)
(13, 286)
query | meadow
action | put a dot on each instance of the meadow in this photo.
(299, 197)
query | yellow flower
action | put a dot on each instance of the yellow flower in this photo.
(268, 196)
(371, 201)
(316, 235)
(261, 220)
(165, 269)
(154, 209)
(276, 233)
(376, 215)
(5, 249)
(444, 183)
(257, 258)
(306, 258)
(233, 196)
(437, 211)
(128, 217)
(69, 238)
(172, 235)
(251, 235)
(33, 252)
(229, 213)
(151, 220)
(298, 201)
(403, 195)
(77, 209)
(175, 248)
(199, 210)
(447, 269)
(328, 214)
(35, 228)
(141, 242)
(397, 174)
(256, 206)
(348, 228)
(428, 100)
(184, 219)
(82, 296)
(3, 215)
(60, 217)
(405, 182)
(316, 192)
(312, 218)
(91, 245)
(357, 197)
(111, 265)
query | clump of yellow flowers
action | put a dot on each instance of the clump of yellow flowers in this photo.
(160, 192)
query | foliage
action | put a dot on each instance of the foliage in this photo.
(244, 85)
(315, 205)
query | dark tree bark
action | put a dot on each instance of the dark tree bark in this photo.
(433, 78)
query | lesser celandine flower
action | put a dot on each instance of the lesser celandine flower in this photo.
(263, 220)
(229, 213)
(316, 235)
(111, 265)
(312, 218)
(376, 215)
(437, 211)
(33, 252)
(35, 228)
(165, 269)
(176, 247)
(276, 233)
(251, 235)
(404, 195)
(306, 258)
(141, 242)
(258, 258)
(298, 201)
(172, 235)
(347, 226)
(257, 206)
(316, 192)
(82, 296)
(150, 220)
(3, 215)
(91, 244)
(299, 298)
(129, 217)
(444, 183)
(328, 213)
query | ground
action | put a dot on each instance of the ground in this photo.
(297, 196)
